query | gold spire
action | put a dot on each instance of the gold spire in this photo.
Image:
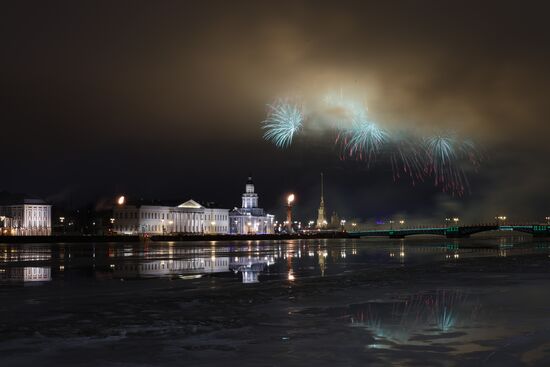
(321, 219)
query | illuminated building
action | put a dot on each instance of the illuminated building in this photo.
(189, 217)
(321, 219)
(21, 216)
(250, 218)
(26, 274)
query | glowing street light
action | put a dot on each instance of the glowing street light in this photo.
(343, 224)
(401, 222)
(500, 219)
(456, 220)
(547, 220)
(121, 200)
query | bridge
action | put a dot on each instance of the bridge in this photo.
(537, 230)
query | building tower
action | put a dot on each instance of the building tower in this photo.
(250, 198)
(321, 220)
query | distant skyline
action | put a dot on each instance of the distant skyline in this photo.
(165, 100)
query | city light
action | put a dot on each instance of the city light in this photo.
(121, 200)
(291, 276)
(290, 199)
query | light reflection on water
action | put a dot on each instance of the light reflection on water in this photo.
(436, 313)
(246, 261)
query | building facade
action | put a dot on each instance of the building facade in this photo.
(187, 218)
(250, 219)
(26, 217)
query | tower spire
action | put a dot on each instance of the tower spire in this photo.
(322, 193)
(321, 219)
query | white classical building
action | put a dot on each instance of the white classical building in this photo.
(250, 219)
(26, 217)
(26, 274)
(189, 217)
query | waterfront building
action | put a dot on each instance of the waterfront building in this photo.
(249, 218)
(21, 216)
(189, 217)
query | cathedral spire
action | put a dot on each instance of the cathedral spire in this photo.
(321, 219)
(322, 196)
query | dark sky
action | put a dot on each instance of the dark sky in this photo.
(165, 99)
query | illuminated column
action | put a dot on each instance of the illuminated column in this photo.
(289, 201)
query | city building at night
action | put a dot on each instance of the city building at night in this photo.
(250, 219)
(189, 217)
(21, 216)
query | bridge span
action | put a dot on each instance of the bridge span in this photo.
(537, 230)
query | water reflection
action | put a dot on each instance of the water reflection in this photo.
(434, 314)
(25, 275)
(250, 261)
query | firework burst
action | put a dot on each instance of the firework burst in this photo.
(443, 158)
(364, 139)
(283, 121)
(407, 158)
(446, 157)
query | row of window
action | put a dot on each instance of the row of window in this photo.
(158, 228)
(216, 217)
(156, 215)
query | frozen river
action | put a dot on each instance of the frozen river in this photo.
(420, 302)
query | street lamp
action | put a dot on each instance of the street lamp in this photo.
(500, 219)
(121, 200)
(391, 224)
(456, 220)
(547, 220)
(401, 222)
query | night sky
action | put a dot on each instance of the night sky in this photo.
(165, 100)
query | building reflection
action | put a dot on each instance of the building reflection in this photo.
(25, 275)
(250, 267)
(253, 260)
